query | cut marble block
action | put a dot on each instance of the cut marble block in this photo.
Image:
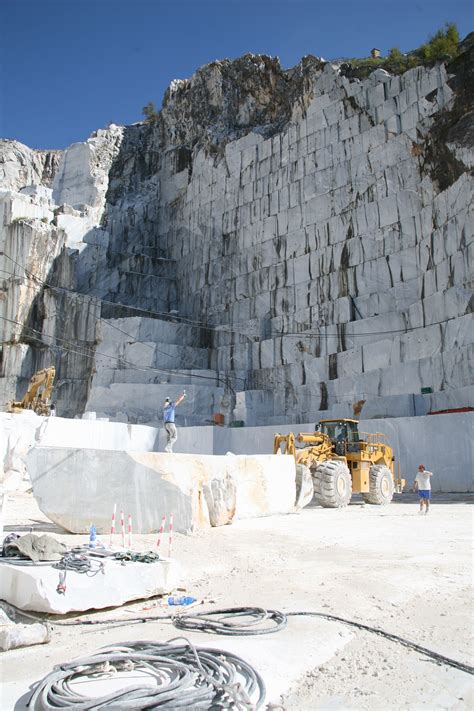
(77, 487)
(33, 587)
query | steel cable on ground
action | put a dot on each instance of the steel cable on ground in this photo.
(213, 621)
(185, 677)
(392, 637)
(205, 622)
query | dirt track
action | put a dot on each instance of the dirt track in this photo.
(387, 567)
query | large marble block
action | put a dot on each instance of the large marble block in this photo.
(77, 487)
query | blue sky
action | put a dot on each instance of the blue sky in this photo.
(71, 66)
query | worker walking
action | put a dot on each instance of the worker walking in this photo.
(423, 484)
(169, 408)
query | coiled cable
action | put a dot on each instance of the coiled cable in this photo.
(223, 621)
(186, 677)
(79, 563)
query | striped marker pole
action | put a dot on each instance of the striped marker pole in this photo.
(112, 527)
(122, 527)
(129, 530)
(160, 532)
(170, 540)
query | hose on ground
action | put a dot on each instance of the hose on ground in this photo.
(185, 677)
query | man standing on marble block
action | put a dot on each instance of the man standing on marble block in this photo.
(169, 408)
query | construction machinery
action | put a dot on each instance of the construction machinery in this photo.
(343, 461)
(38, 395)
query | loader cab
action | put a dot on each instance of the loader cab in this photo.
(344, 434)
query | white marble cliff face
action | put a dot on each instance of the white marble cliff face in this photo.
(308, 234)
(21, 166)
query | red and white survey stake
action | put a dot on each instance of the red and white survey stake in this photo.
(129, 530)
(112, 527)
(160, 532)
(122, 527)
(170, 540)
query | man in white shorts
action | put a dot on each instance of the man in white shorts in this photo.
(423, 484)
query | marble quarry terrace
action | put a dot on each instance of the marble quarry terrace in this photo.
(281, 243)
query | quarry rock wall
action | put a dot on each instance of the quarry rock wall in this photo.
(281, 243)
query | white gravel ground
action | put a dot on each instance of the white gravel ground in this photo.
(387, 567)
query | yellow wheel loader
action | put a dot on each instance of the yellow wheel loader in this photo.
(38, 395)
(343, 461)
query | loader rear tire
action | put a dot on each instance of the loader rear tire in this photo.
(332, 484)
(381, 485)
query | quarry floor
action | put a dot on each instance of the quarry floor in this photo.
(387, 567)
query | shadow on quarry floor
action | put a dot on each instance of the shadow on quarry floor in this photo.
(437, 498)
(36, 526)
(22, 703)
(411, 498)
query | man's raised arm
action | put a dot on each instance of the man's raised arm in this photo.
(181, 398)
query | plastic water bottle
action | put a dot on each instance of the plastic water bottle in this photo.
(181, 600)
(92, 537)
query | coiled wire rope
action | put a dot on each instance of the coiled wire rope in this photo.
(185, 676)
(249, 621)
(79, 563)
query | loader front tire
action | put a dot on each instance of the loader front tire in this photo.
(304, 487)
(381, 485)
(332, 484)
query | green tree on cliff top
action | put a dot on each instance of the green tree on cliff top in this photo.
(150, 113)
(443, 45)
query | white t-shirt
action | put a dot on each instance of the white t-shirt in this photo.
(423, 480)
